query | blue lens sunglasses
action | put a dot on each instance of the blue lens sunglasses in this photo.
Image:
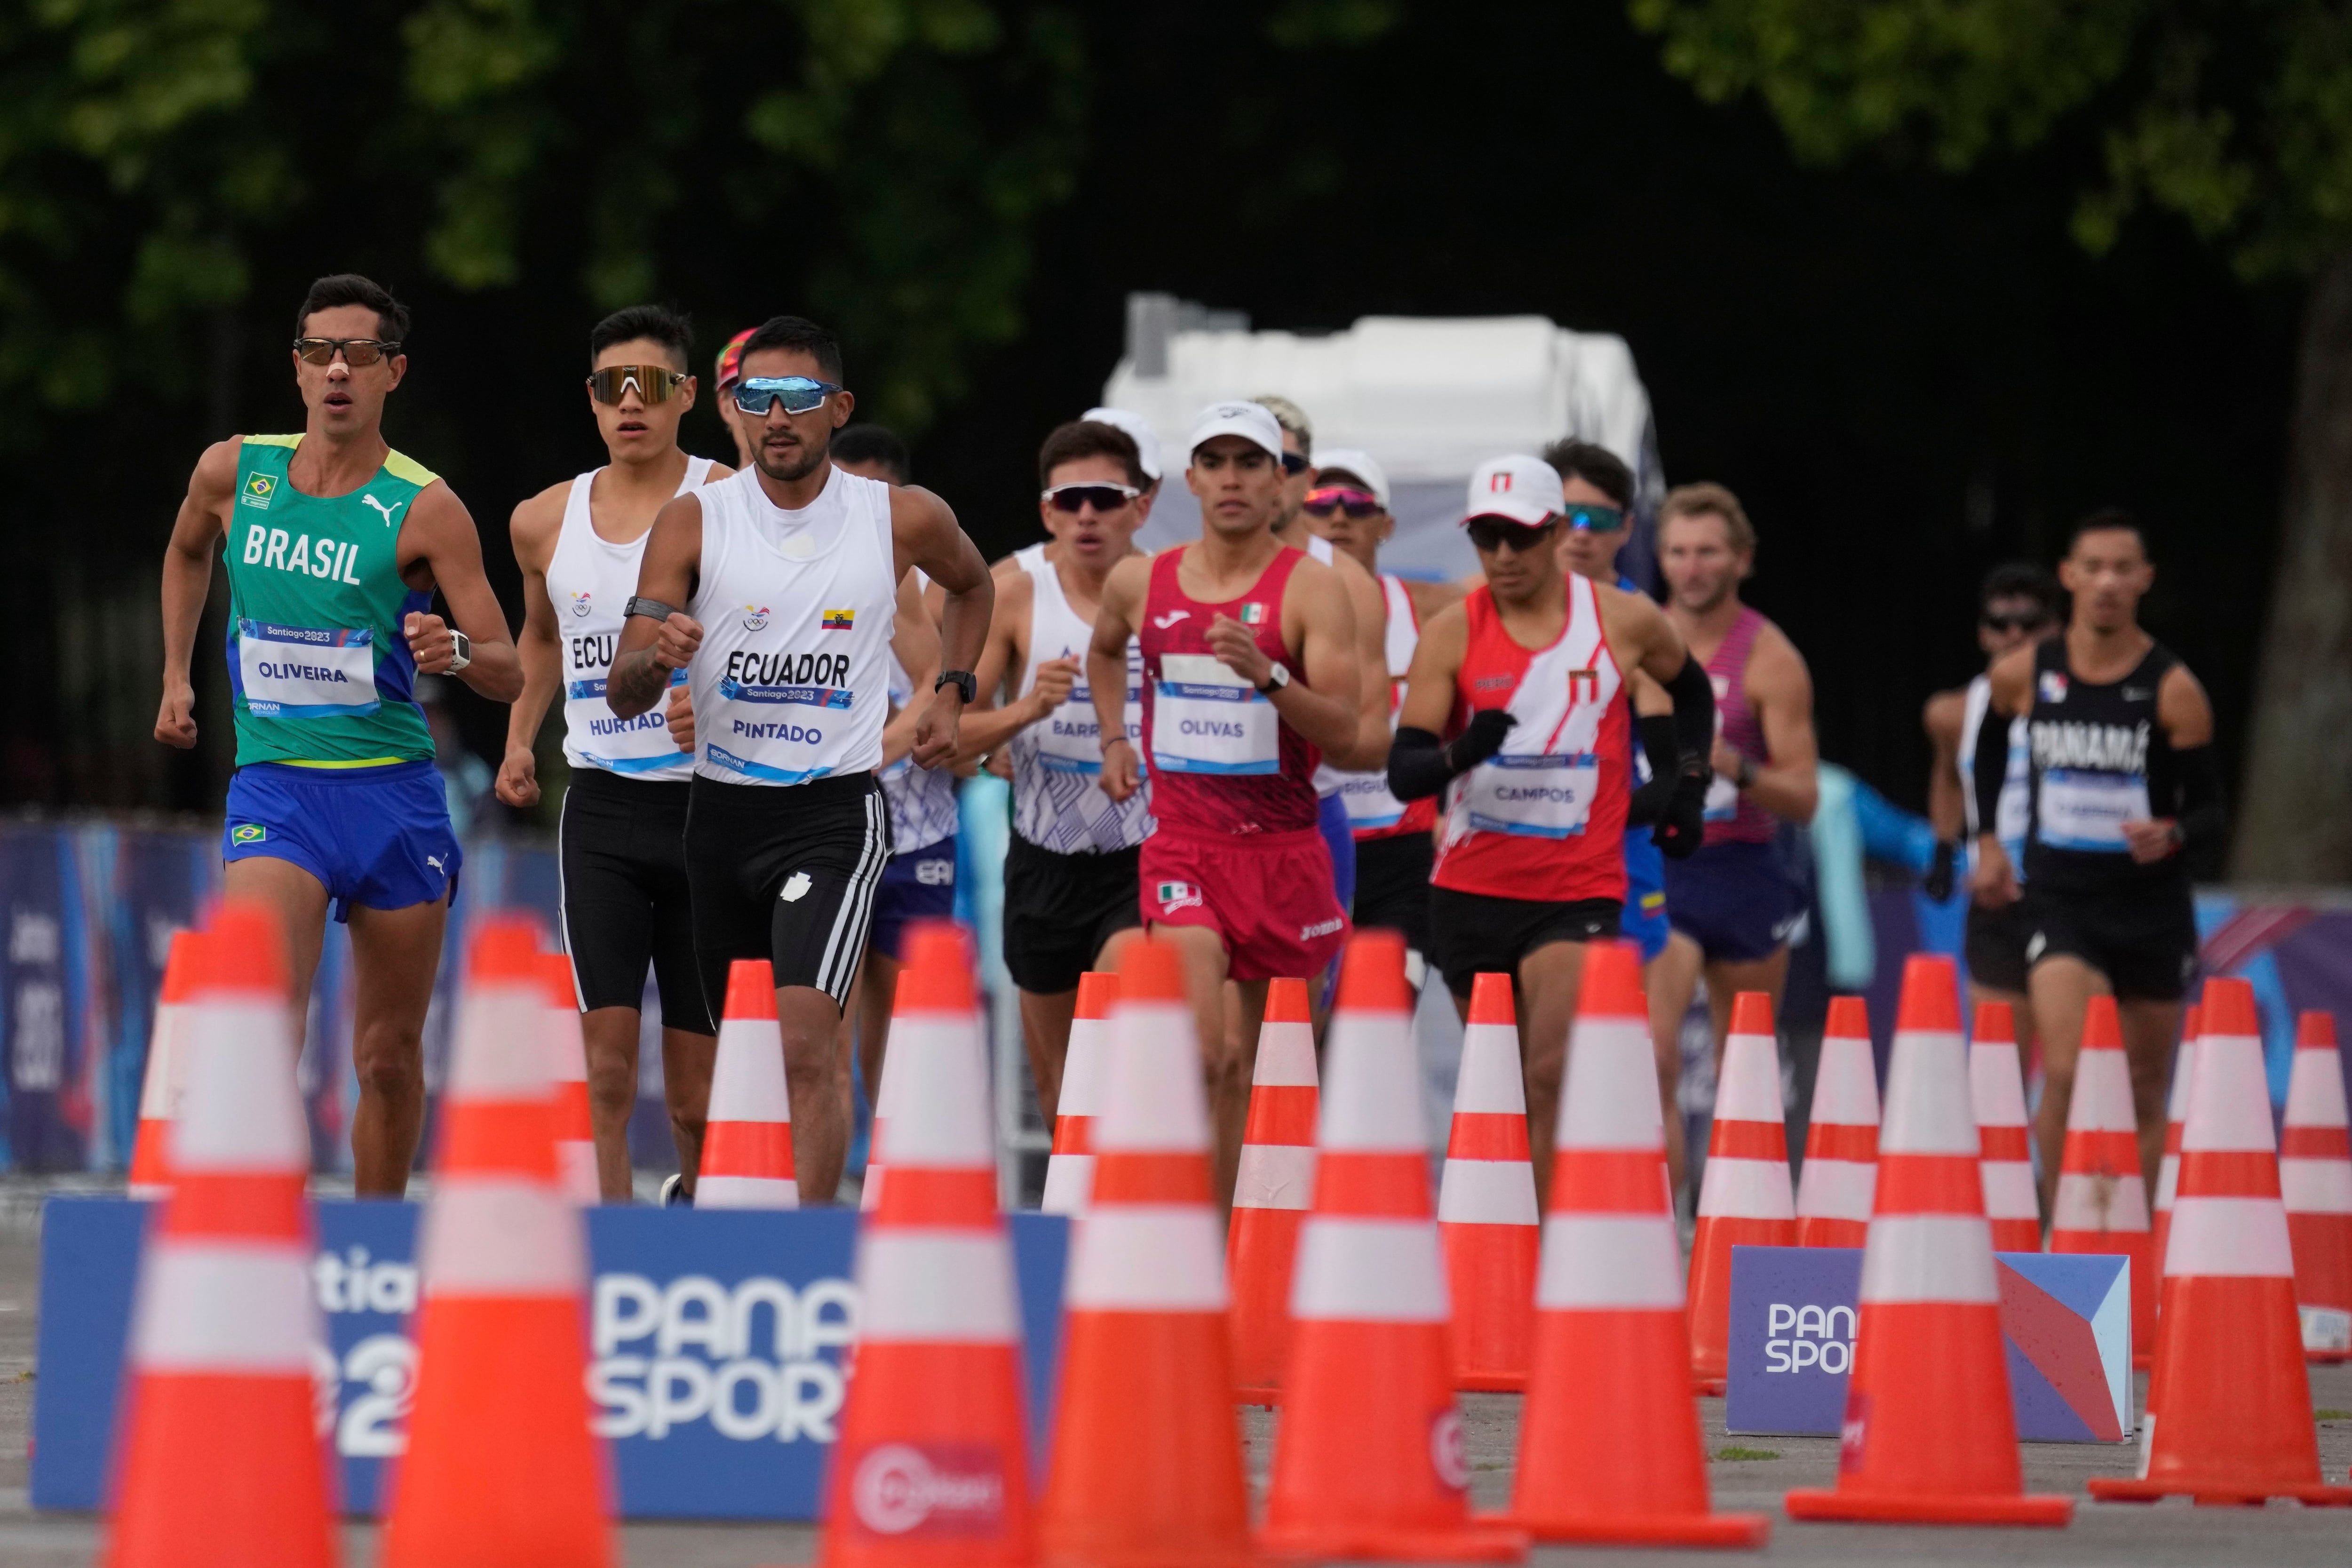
(799, 394)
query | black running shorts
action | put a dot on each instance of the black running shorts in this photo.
(2144, 941)
(1473, 933)
(787, 873)
(621, 852)
(1996, 946)
(1060, 908)
(1392, 886)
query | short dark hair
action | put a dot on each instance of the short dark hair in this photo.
(673, 329)
(350, 288)
(800, 333)
(874, 443)
(1599, 467)
(1090, 439)
(2020, 580)
(2108, 519)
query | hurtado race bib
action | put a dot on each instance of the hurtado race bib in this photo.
(306, 672)
(1207, 719)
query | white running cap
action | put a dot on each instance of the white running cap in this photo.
(1352, 460)
(1525, 491)
(1146, 440)
(1253, 422)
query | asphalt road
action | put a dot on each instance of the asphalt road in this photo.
(2106, 1535)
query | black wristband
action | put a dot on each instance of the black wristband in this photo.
(963, 680)
(651, 609)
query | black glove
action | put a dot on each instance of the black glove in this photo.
(1481, 740)
(1682, 828)
(1648, 804)
(1938, 883)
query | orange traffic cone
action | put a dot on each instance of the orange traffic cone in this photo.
(2315, 1181)
(1070, 1169)
(869, 1190)
(1271, 1190)
(1841, 1173)
(1929, 1434)
(1609, 1439)
(2228, 1410)
(1147, 1460)
(1997, 1094)
(2102, 1198)
(576, 1135)
(1744, 1198)
(1486, 1201)
(2167, 1173)
(159, 1090)
(219, 1459)
(501, 1469)
(931, 1466)
(1370, 1460)
(747, 1142)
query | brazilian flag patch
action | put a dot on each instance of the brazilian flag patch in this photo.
(258, 489)
(247, 833)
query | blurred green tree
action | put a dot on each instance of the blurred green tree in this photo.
(2237, 120)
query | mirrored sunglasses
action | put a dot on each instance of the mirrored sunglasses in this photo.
(1342, 498)
(1103, 498)
(653, 383)
(798, 393)
(1595, 518)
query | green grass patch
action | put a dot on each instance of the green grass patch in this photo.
(2332, 1416)
(1736, 1452)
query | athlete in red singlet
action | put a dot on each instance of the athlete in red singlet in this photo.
(1525, 677)
(1249, 675)
(1734, 904)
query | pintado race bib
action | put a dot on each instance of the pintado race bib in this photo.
(1533, 796)
(1207, 719)
(2086, 811)
(306, 672)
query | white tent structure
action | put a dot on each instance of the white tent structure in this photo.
(1431, 398)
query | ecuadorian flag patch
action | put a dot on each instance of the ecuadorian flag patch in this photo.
(247, 833)
(839, 620)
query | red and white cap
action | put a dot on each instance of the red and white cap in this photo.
(1525, 491)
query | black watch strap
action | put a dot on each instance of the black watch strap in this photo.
(651, 609)
(963, 680)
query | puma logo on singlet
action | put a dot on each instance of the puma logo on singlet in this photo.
(1170, 619)
(390, 512)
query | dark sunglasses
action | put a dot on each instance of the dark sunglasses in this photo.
(1342, 498)
(1073, 499)
(1595, 518)
(1491, 533)
(358, 352)
(653, 383)
(1292, 463)
(798, 393)
(2033, 622)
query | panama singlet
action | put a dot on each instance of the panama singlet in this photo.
(792, 682)
(1544, 818)
(590, 580)
(1058, 802)
(319, 669)
(2098, 757)
(1222, 759)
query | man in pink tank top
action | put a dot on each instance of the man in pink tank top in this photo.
(1734, 904)
(1249, 676)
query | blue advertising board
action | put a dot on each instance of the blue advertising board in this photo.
(716, 1345)
(2066, 1323)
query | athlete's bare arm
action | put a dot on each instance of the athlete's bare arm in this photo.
(1429, 688)
(915, 644)
(188, 578)
(1003, 712)
(1781, 690)
(1942, 718)
(1123, 596)
(649, 650)
(439, 547)
(927, 535)
(1370, 605)
(2182, 708)
(532, 531)
(1326, 706)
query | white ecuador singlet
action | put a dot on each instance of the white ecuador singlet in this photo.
(793, 680)
(1030, 558)
(590, 580)
(2016, 788)
(1057, 798)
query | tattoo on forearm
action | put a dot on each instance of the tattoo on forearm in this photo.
(635, 681)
